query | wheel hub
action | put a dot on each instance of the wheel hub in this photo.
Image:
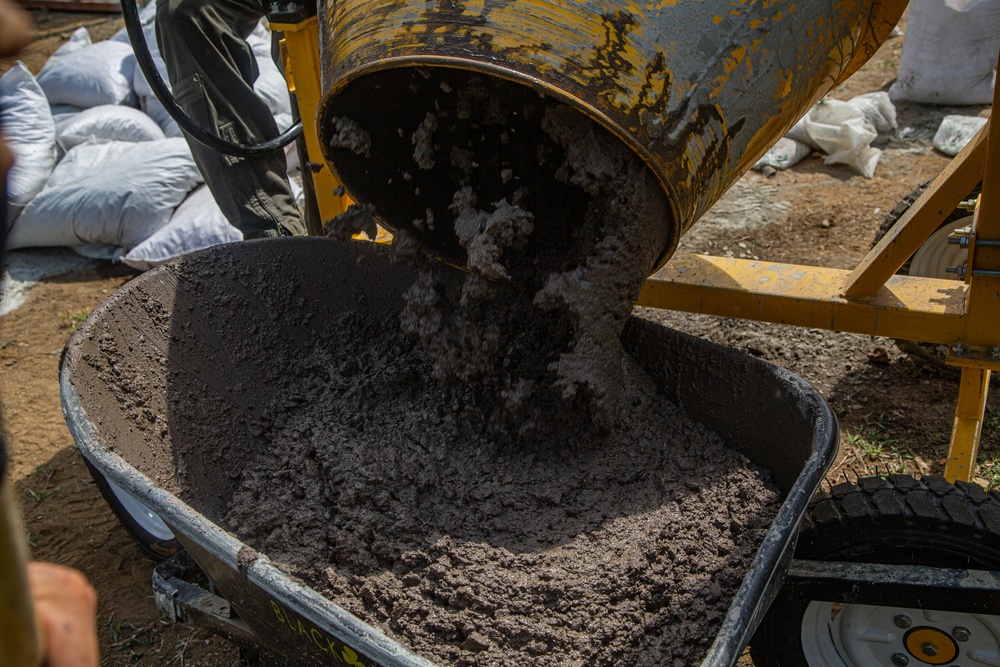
(931, 645)
(854, 635)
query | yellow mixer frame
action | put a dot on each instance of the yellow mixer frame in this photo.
(871, 299)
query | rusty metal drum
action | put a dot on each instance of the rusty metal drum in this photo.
(698, 90)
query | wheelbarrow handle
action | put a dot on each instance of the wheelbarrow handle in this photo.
(20, 642)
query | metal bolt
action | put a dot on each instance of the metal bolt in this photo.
(900, 660)
(902, 621)
(929, 649)
(993, 355)
(960, 633)
(957, 270)
(958, 348)
(968, 204)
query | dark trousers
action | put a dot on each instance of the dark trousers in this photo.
(212, 70)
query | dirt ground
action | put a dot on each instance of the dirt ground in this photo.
(895, 412)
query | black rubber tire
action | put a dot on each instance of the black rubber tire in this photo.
(893, 520)
(157, 549)
(932, 354)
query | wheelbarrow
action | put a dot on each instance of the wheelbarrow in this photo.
(139, 445)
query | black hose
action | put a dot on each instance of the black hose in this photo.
(186, 123)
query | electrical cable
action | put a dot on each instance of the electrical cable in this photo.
(135, 33)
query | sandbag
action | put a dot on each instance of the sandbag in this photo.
(89, 75)
(63, 112)
(878, 110)
(955, 132)
(117, 193)
(270, 85)
(147, 99)
(109, 123)
(78, 39)
(842, 132)
(139, 83)
(152, 107)
(784, 154)
(197, 223)
(146, 16)
(949, 52)
(30, 133)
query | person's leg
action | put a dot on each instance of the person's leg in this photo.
(212, 70)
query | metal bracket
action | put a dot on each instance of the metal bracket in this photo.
(976, 357)
(291, 12)
(911, 586)
(180, 600)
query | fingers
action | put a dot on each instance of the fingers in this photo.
(66, 613)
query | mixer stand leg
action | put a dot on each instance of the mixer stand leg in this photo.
(968, 424)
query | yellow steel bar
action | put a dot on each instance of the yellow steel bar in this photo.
(921, 220)
(19, 641)
(983, 267)
(982, 320)
(988, 211)
(302, 71)
(925, 309)
(968, 424)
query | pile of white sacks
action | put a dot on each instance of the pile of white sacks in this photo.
(100, 166)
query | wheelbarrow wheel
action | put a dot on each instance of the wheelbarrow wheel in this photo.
(929, 261)
(893, 520)
(146, 528)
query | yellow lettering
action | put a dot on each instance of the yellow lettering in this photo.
(313, 634)
(277, 611)
(328, 645)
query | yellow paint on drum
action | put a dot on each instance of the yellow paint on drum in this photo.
(698, 93)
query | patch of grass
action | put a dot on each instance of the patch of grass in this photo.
(135, 640)
(73, 320)
(989, 468)
(877, 451)
(991, 423)
(851, 396)
(41, 490)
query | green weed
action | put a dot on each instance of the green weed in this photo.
(134, 639)
(72, 321)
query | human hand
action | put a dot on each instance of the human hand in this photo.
(65, 615)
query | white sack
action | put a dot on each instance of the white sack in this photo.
(842, 132)
(155, 110)
(146, 16)
(260, 40)
(955, 132)
(89, 75)
(197, 223)
(949, 52)
(147, 100)
(78, 40)
(30, 133)
(784, 154)
(108, 123)
(101, 251)
(139, 83)
(270, 85)
(117, 193)
(62, 112)
(878, 110)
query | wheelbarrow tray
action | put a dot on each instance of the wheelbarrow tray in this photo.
(177, 335)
